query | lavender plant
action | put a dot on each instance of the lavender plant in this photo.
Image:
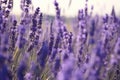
(32, 49)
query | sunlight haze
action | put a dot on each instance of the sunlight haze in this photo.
(101, 7)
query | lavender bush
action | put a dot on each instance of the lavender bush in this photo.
(38, 47)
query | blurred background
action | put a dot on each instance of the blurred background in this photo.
(69, 8)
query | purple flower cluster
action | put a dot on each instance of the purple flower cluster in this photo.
(35, 48)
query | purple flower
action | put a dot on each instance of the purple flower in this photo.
(28, 76)
(28, 1)
(78, 75)
(51, 43)
(105, 19)
(36, 13)
(113, 14)
(70, 42)
(1, 19)
(4, 72)
(22, 31)
(55, 3)
(22, 42)
(92, 30)
(56, 66)
(4, 1)
(42, 54)
(21, 71)
(80, 15)
(86, 10)
(100, 51)
(54, 53)
(40, 19)
(117, 47)
(13, 34)
(15, 23)
(30, 48)
(57, 10)
(57, 41)
(34, 26)
(67, 69)
(91, 41)
(2, 59)
(65, 56)
(6, 40)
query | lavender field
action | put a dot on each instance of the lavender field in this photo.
(37, 46)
